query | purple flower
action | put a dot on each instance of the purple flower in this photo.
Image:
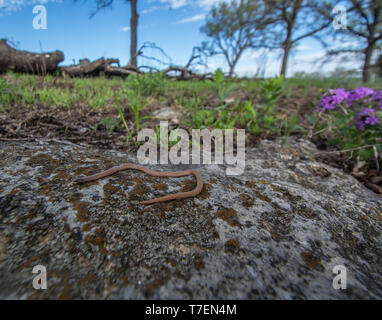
(372, 120)
(377, 98)
(331, 99)
(366, 112)
(358, 94)
(364, 117)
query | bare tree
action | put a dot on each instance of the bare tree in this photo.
(364, 25)
(294, 20)
(231, 29)
(103, 4)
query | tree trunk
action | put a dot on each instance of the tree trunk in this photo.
(27, 62)
(287, 47)
(233, 64)
(284, 64)
(367, 65)
(133, 30)
(231, 69)
(288, 42)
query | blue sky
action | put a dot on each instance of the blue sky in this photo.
(173, 25)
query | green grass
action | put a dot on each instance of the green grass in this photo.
(269, 107)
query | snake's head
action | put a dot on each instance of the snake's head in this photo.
(80, 180)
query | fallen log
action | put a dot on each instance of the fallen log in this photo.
(99, 67)
(180, 73)
(115, 71)
(86, 68)
(26, 62)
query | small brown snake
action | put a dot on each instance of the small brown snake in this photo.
(179, 195)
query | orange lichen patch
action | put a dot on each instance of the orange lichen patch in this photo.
(246, 200)
(87, 171)
(154, 285)
(228, 215)
(261, 196)
(98, 239)
(3, 246)
(274, 235)
(116, 253)
(158, 282)
(31, 215)
(86, 227)
(253, 184)
(15, 191)
(29, 262)
(90, 278)
(171, 261)
(138, 191)
(66, 228)
(275, 189)
(310, 259)
(307, 213)
(66, 293)
(379, 215)
(232, 188)
(149, 179)
(80, 206)
(188, 185)
(109, 190)
(160, 209)
(319, 172)
(160, 186)
(205, 193)
(124, 183)
(198, 262)
(74, 197)
(49, 164)
(61, 175)
(82, 210)
(18, 220)
(22, 171)
(182, 274)
(250, 184)
(232, 245)
(210, 225)
(44, 190)
(46, 238)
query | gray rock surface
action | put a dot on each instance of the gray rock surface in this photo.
(274, 232)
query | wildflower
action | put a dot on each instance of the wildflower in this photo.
(377, 99)
(372, 120)
(331, 99)
(366, 117)
(358, 94)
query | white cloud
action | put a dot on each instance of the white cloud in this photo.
(125, 29)
(303, 47)
(151, 9)
(175, 4)
(196, 17)
(15, 5)
(207, 3)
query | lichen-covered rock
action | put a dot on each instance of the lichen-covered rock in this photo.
(275, 231)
